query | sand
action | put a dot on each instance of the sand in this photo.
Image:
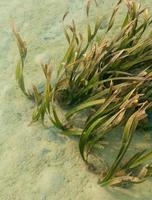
(38, 163)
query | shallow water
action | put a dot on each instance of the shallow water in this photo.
(38, 163)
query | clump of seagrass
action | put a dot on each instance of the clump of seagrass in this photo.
(112, 78)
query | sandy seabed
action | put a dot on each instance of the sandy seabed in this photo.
(38, 163)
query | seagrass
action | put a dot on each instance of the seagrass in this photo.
(111, 78)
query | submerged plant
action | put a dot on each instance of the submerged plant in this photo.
(111, 78)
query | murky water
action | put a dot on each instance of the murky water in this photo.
(37, 163)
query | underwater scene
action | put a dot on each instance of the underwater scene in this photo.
(76, 100)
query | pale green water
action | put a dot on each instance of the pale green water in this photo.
(36, 163)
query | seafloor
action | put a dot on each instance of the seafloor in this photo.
(38, 163)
